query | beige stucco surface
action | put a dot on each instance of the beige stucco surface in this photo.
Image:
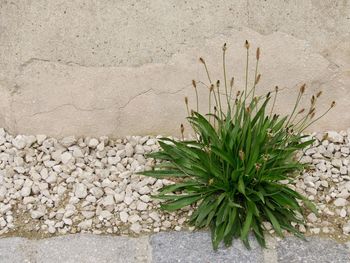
(100, 67)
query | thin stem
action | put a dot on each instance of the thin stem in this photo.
(206, 69)
(312, 122)
(224, 69)
(246, 75)
(195, 88)
(218, 91)
(274, 101)
(295, 106)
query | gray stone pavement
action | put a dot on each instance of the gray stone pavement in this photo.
(167, 247)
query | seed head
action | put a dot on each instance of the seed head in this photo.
(194, 84)
(218, 83)
(302, 88)
(246, 44)
(332, 104)
(313, 99)
(257, 79)
(192, 113)
(276, 88)
(238, 93)
(258, 53)
(248, 109)
(211, 87)
(215, 109)
(186, 100)
(301, 111)
(319, 94)
(232, 81)
(202, 60)
(312, 115)
(224, 47)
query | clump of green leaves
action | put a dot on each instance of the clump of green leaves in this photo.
(232, 173)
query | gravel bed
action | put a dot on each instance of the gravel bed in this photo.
(52, 187)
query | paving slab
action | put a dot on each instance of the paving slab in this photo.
(75, 248)
(13, 250)
(315, 250)
(171, 247)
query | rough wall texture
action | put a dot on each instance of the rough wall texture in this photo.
(105, 67)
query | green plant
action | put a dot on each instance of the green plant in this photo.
(232, 173)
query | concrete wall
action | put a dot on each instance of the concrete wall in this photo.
(104, 67)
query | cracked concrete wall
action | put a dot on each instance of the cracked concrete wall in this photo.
(119, 67)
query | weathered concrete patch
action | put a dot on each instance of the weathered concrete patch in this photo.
(316, 250)
(196, 247)
(75, 248)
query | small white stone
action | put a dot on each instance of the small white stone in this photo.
(68, 141)
(155, 216)
(93, 143)
(19, 142)
(25, 191)
(334, 137)
(35, 214)
(133, 218)
(86, 224)
(340, 202)
(124, 216)
(136, 228)
(141, 206)
(128, 200)
(66, 157)
(80, 190)
(108, 200)
(144, 190)
(106, 214)
(337, 163)
(312, 217)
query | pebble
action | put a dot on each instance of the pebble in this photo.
(80, 191)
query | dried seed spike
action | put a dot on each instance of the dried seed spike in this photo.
(268, 95)
(248, 109)
(301, 111)
(246, 44)
(215, 109)
(182, 129)
(211, 87)
(312, 110)
(202, 60)
(186, 100)
(333, 104)
(192, 113)
(218, 83)
(302, 88)
(194, 84)
(312, 115)
(276, 88)
(238, 93)
(258, 53)
(257, 79)
(312, 99)
(224, 47)
(319, 94)
(232, 81)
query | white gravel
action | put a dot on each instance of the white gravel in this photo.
(72, 185)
